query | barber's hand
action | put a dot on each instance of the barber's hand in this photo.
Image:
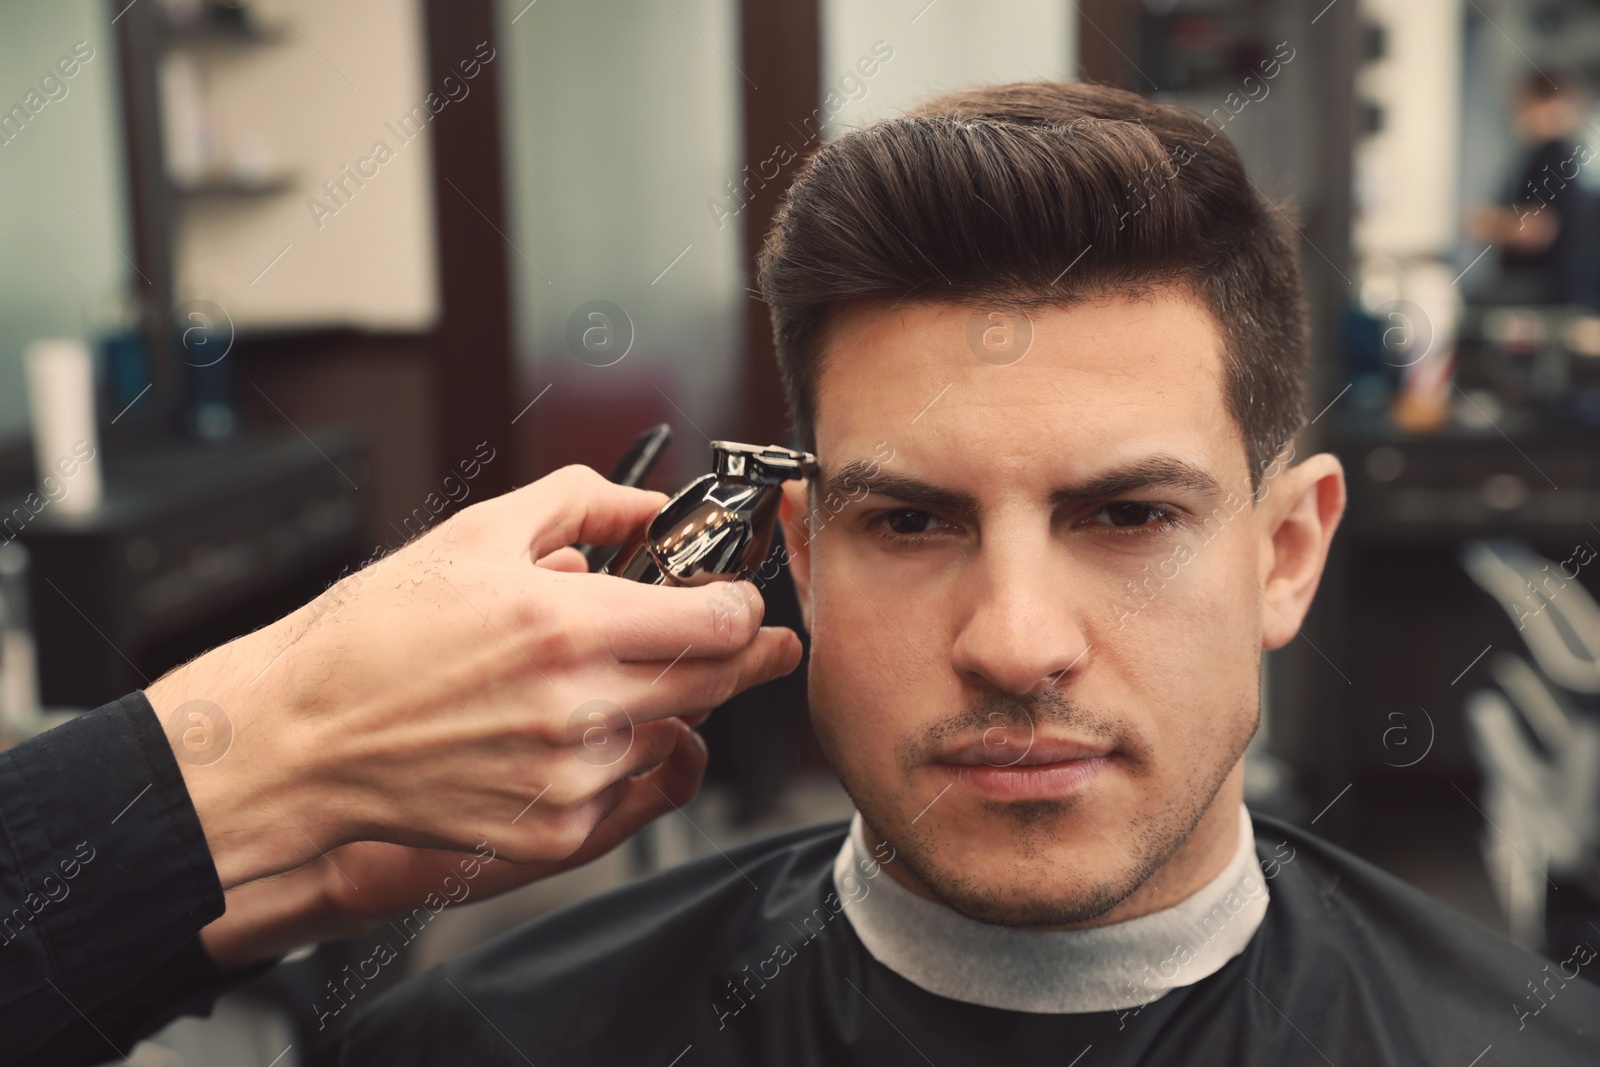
(476, 686)
(354, 889)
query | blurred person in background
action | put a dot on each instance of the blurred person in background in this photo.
(1545, 225)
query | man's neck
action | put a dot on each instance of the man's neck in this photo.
(1201, 857)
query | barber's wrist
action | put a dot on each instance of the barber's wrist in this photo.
(252, 771)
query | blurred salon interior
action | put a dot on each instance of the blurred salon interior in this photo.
(287, 282)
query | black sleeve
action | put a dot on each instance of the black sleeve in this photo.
(105, 881)
(185, 983)
(1541, 179)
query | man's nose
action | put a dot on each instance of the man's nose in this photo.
(1022, 630)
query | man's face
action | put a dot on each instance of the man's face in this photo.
(1032, 591)
(1543, 119)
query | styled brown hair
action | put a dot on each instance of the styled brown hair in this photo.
(1040, 194)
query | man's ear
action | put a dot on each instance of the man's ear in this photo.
(792, 510)
(1297, 519)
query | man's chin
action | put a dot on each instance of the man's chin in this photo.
(1027, 863)
(1040, 897)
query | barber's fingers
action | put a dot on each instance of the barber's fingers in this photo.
(636, 621)
(647, 691)
(570, 505)
(632, 802)
(601, 757)
(640, 621)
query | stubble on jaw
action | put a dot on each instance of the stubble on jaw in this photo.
(1034, 829)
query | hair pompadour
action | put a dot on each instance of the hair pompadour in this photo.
(1039, 194)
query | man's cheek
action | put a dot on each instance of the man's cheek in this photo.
(854, 636)
(827, 717)
(1201, 670)
(1175, 651)
(854, 692)
(1203, 627)
(1213, 579)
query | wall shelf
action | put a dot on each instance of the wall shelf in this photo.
(234, 187)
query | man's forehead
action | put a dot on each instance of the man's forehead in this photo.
(1104, 379)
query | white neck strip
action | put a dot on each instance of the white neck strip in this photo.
(1103, 968)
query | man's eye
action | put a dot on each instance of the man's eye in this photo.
(908, 522)
(1133, 516)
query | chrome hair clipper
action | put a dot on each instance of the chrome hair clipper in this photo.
(719, 527)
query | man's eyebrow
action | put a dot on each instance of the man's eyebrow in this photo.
(853, 477)
(1149, 472)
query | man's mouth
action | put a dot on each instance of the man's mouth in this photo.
(1044, 769)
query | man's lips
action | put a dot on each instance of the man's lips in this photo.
(1047, 768)
(997, 750)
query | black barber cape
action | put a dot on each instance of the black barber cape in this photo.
(704, 965)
